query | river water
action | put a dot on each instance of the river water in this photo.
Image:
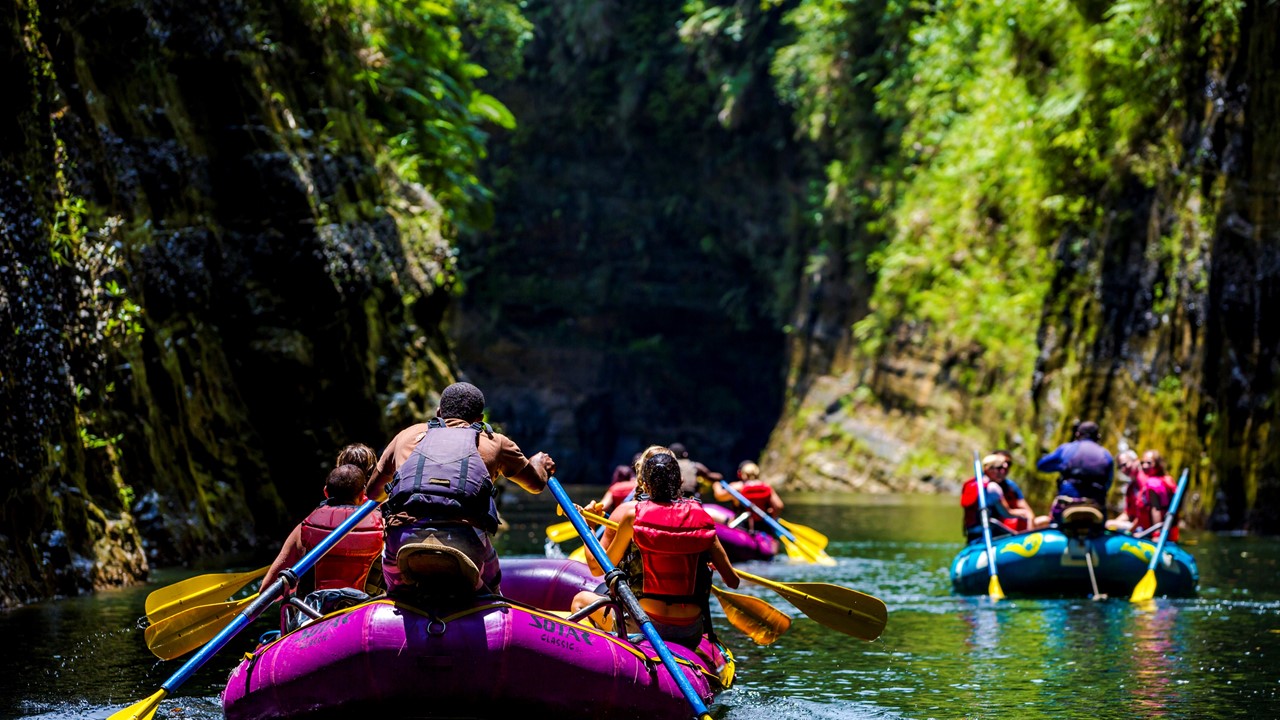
(941, 656)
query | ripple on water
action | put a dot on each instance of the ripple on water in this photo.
(747, 705)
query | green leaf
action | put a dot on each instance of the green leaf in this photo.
(491, 109)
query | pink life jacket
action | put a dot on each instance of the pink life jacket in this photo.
(347, 563)
(673, 539)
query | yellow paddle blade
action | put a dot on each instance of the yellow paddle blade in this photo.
(839, 608)
(200, 590)
(561, 532)
(757, 619)
(806, 534)
(179, 634)
(806, 553)
(143, 709)
(994, 589)
(580, 554)
(1145, 589)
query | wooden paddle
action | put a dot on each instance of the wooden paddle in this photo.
(179, 634)
(629, 600)
(201, 590)
(1146, 587)
(980, 484)
(796, 549)
(840, 608)
(146, 708)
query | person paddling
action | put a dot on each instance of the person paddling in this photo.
(437, 482)
(1085, 471)
(347, 564)
(676, 539)
(1007, 519)
(630, 562)
(750, 486)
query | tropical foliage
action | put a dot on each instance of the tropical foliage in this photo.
(969, 141)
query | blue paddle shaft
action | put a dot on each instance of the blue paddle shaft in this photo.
(628, 598)
(1170, 518)
(980, 481)
(777, 527)
(264, 600)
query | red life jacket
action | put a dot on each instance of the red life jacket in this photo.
(673, 539)
(347, 563)
(973, 511)
(759, 493)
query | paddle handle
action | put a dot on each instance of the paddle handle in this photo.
(629, 599)
(1170, 518)
(270, 595)
(980, 483)
(777, 528)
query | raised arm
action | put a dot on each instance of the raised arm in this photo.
(533, 476)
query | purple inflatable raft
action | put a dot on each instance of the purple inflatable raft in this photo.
(498, 657)
(739, 543)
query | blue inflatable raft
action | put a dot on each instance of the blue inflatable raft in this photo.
(1049, 563)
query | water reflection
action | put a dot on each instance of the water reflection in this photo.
(1154, 650)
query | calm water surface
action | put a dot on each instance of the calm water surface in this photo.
(941, 656)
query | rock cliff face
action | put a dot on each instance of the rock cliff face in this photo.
(212, 280)
(1154, 323)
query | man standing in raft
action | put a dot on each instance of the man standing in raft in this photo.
(437, 482)
(1086, 469)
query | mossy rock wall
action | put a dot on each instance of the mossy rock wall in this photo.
(212, 282)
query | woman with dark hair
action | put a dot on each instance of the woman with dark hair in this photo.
(675, 540)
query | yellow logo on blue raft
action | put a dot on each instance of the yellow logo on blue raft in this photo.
(1028, 547)
(1143, 552)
